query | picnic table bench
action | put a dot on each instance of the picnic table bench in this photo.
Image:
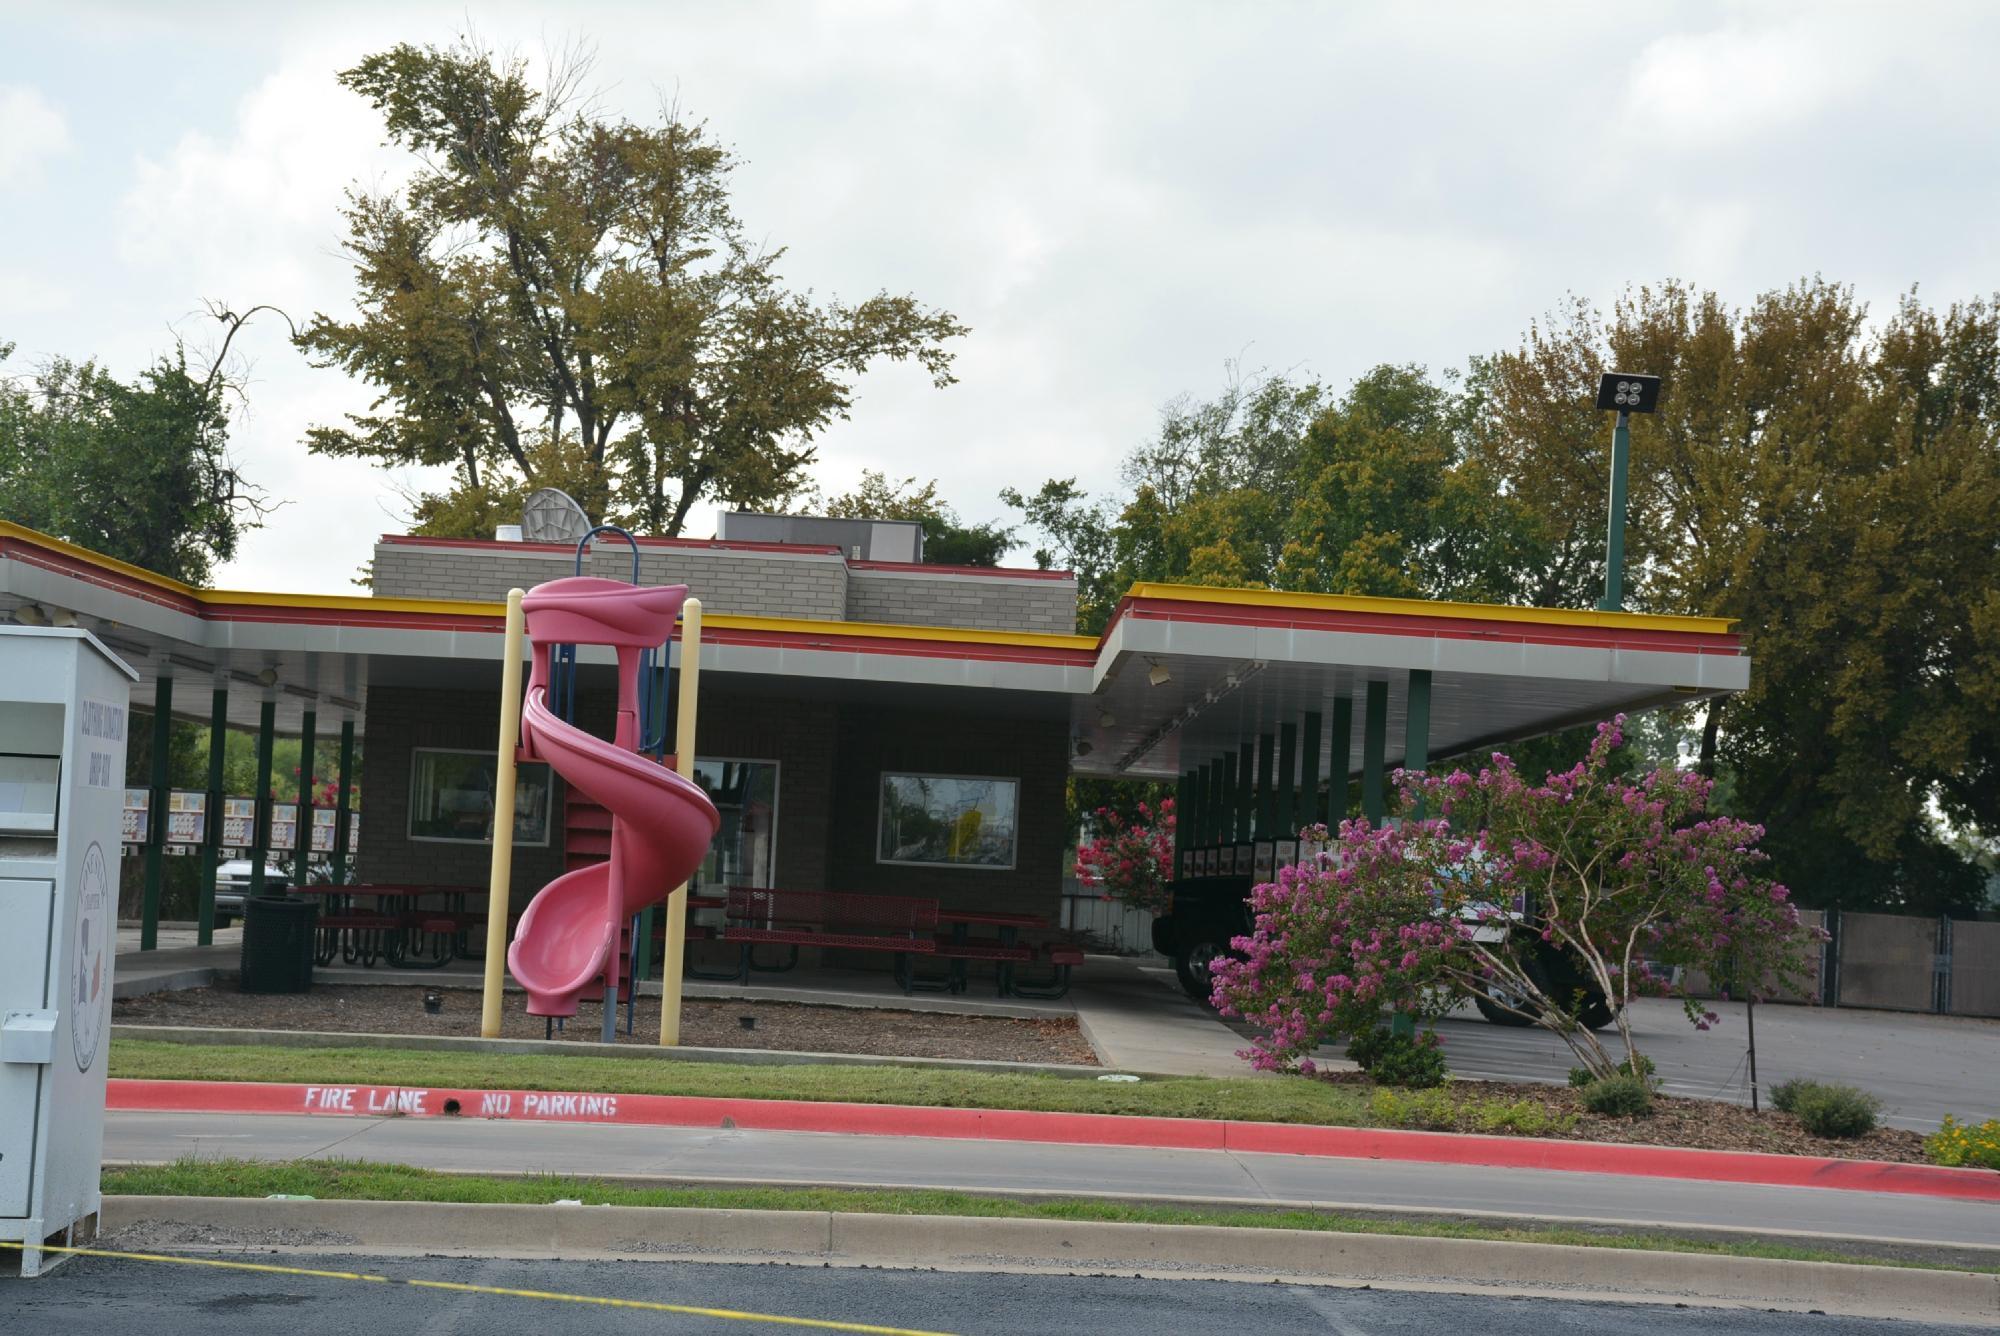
(754, 916)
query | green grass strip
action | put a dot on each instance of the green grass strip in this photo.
(1243, 1098)
(360, 1180)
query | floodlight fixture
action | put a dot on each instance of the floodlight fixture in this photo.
(1623, 393)
(1626, 392)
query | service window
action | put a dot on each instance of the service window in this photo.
(451, 798)
(744, 850)
(966, 821)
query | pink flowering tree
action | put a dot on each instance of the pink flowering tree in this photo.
(1613, 877)
(1131, 862)
(1332, 945)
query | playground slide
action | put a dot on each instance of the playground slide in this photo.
(661, 822)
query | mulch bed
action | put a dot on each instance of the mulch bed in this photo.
(1701, 1124)
(386, 1009)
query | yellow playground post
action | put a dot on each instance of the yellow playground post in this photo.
(499, 890)
(676, 944)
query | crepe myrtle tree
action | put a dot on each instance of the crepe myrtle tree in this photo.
(1333, 943)
(1614, 878)
(1617, 876)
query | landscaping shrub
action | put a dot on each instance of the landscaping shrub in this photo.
(1439, 1111)
(1640, 1066)
(1957, 1144)
(1785, 1094)
(1835, 1110)
(1618, 1097)
(1431, 1110)
(1399, 1059)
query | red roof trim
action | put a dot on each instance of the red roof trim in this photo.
(1452, 628)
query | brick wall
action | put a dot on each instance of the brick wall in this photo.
(987, 602)
(873, 739)
(756, 584)
(400, 720)
(800, 737)
(402, 571)
(750, 584)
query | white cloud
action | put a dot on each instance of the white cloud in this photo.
(32, 131)
(1735, 83)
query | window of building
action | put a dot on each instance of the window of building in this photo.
(451, 798)
(744, 850)
(947, 821)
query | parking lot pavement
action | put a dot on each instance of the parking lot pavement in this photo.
(123, 1298)
(1922, 1067)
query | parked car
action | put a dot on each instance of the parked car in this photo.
(232, 883)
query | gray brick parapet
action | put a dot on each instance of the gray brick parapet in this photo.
(745, 580)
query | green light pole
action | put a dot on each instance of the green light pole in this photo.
(1625, 394)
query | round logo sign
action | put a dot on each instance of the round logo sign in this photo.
(89, 960)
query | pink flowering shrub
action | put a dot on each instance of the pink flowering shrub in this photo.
(1131, 862)
(1331, 946)
(1613, 876)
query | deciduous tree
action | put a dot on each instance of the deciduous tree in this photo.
(559, 298)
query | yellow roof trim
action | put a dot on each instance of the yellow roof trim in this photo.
(1421, 607)
(9, 529)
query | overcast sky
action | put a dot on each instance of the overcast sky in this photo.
(1116, 198)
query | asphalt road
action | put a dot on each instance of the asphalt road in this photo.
(472, 1146)
(121, 1298)
(1922, 1067)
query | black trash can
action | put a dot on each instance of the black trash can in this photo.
(278, 943)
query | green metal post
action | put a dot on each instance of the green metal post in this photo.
(1288, 769)
(1226, 830)
(1182, 787)
(1204, 807)
(1417, 725)
(1614, 536)
(1267, 787)
(1339, 767)
(260, 846)
(302, 846)
(1214, 822)
(1246, 794)
(343, 788)
(156, 812)
(1374, 742)
(1310, 812)
(211, 839)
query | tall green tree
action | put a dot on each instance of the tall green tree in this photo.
(559, 299)
(138, 470)
(1832, 487)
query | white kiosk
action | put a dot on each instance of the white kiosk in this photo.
(63, 721)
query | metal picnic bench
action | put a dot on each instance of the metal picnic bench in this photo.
(755, 916)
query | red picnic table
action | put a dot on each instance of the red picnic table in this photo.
(395, 928)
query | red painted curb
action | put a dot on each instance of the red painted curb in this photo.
(1088, 1129)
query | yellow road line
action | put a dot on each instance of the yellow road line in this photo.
(460, 1287)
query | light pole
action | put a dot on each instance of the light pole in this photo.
(1625, 394)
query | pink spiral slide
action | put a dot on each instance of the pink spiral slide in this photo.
(661, 823)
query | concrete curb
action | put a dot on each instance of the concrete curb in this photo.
(748, 1057)
(990, 1244)
(1083, 1129)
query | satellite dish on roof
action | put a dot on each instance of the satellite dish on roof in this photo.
(553, 516)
